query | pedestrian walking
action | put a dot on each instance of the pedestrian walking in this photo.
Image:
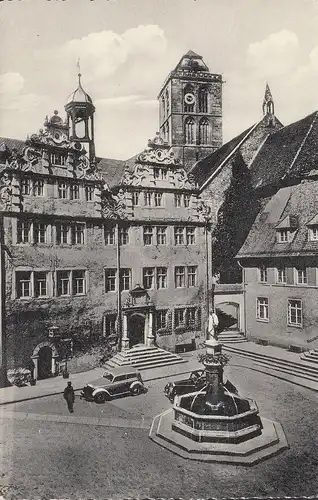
(69, 396)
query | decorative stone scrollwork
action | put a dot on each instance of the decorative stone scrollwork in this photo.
(114, 206)
(31, 157)
(5, 191)
(182, 180)
(204, 211)
(158, 152)
(140, 176)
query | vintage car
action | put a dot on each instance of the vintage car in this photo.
(115, 382)
(195, 382)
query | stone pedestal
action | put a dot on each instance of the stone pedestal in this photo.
(150, 341)
(125, 339)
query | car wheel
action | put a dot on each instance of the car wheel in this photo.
(101, 397)
(136, 390)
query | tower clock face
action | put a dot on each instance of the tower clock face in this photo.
(189, 98)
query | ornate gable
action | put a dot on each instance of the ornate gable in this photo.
(157, 166)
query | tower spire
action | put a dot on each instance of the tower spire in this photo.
(268, 102)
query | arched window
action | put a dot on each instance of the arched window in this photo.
(204, 131)
(167, 102)
(189, 130)
(188, 99)
(163, 101)
(203, 100)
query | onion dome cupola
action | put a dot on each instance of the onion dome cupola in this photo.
(80, 119)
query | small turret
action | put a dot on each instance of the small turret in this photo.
(80, 118)
(268, 104)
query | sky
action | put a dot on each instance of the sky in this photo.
(128, 47)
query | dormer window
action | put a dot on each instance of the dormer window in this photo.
(282, 236)
(313, 233)
(286, 229)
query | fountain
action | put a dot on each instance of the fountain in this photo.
(215, 425)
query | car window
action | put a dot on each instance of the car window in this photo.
(131, 375)
(120, 378)
(108, 376)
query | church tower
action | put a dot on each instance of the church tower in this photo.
(80, 119)
(190, 109)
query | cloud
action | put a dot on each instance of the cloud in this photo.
(276, 55)
(12, 95)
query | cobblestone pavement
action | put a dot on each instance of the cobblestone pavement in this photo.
(74, 457)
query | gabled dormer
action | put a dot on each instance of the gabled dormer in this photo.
(313, 229)
(286, 229)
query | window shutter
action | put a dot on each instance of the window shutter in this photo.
(290, 275)
(312, 275)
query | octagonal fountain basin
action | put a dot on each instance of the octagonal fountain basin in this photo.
(232, 420)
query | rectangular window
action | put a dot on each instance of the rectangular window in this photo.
(179, 277)
(148, 198)
(161, 235)
(110, 280)
(158, 200)
(179, 236)
(177, 200)
(135, 198)
(40, 232)
(161, 277)
(58, 159)
(281, 276)
(262, 308)
(124, 235)
(313, 234)
(148, 235)
(179, 317)
(23, 231)
(74, 192)
(262, 274)
(191, 316)
(26, 186)
(283, 236)
(161, 319)
(148, 277)
(63, 279)
(109, 235)
(89, 193)
(40, 284)
(159, 173)
(125, 279)
(190, 235)
(62, 189)
(295, 312)
(109, 327)
(78, 282)
(38, 188)
(301, 276)
(192, 276)
(186, 200)
(23, 284)
(62, 233)
(78, 234)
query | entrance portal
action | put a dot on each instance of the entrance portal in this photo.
(45, 362)
(136, 329)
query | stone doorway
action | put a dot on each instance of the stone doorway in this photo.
(45, 362)
(136, 329)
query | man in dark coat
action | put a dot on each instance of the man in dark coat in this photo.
(69, 396)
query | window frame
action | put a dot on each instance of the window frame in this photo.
(180, 277)
(264, 306)
(284, 271)
(148, 273)
(148, 235)
(109, 234)
(161, 277)
(263, 269)
(161, 319)
(289, 307)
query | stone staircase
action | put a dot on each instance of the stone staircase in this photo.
(143, 358)
(231, 336)
(299, 370)
(311, 356)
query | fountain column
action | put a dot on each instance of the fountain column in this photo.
(214, 372)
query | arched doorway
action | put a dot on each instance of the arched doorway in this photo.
(228, 315)
(136, 329)
(45, 362)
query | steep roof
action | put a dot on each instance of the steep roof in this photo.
(206, 167)
(111, 170)
(288, 153)
(10, 144)
(298, 200)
